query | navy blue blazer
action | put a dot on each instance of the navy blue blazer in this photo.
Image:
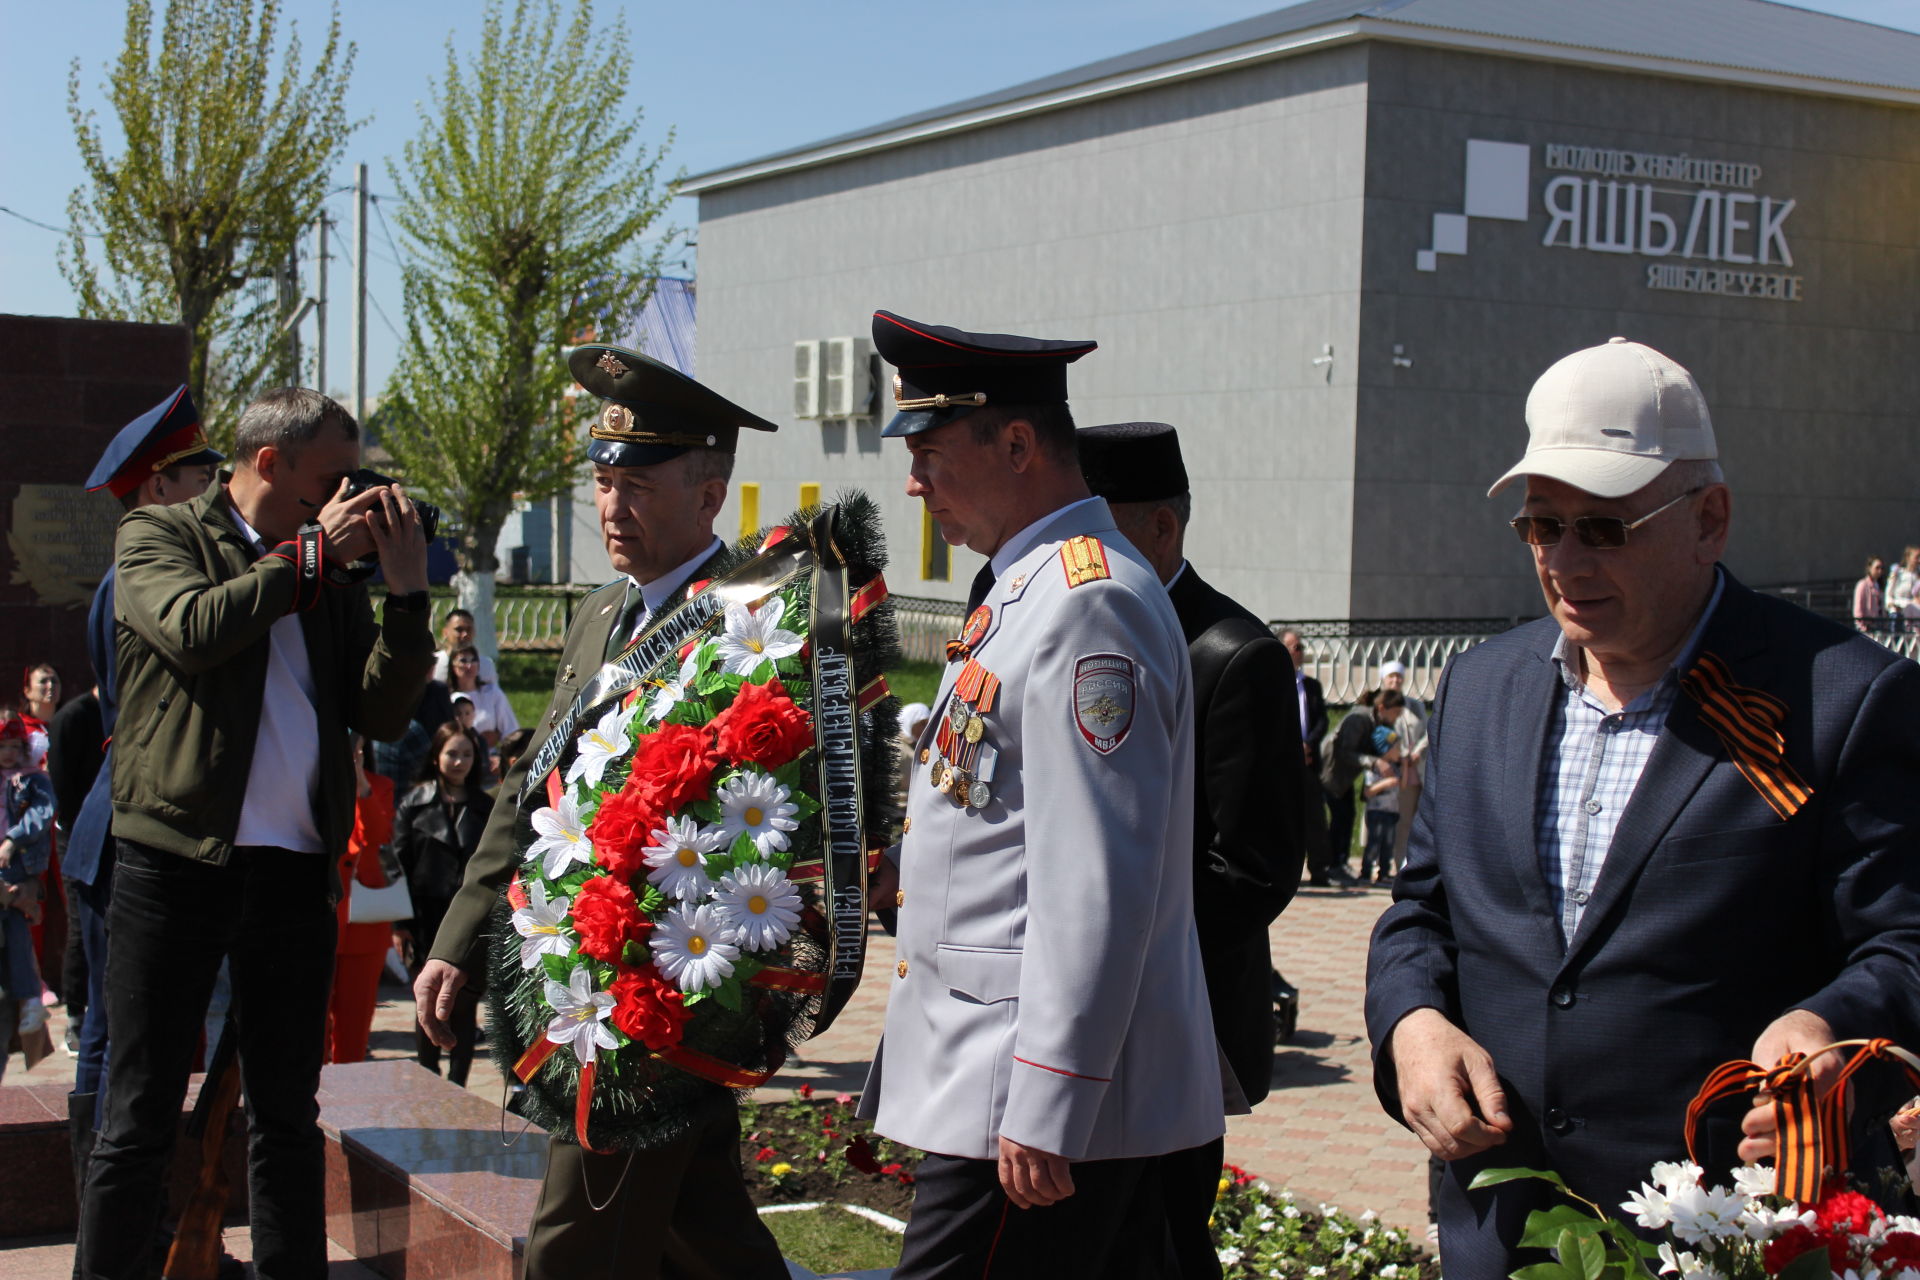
(1711, 916)
(87, 853)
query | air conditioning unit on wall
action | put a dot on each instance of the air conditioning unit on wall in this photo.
(807, 383)
(847, 368)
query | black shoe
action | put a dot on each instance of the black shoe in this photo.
(1319, 882)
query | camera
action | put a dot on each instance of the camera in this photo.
(363, 479)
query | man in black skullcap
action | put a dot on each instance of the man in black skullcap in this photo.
(662, 453)
(1047, 1034)
(1248, 788)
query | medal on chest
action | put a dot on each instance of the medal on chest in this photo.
(964, 767)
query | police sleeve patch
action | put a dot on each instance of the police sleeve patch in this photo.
(1104, 691)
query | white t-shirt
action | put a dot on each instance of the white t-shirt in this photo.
(278, 809)
(491, 710)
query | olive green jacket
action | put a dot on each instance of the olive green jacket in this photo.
(192, 610)
(462, 938)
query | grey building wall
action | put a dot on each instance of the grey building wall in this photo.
(1814, 403)
(1207, 234)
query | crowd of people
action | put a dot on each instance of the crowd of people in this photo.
(1590, 832)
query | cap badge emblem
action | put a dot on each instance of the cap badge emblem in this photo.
(612, 363)
(617, 417)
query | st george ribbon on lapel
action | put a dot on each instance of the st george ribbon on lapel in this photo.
(1748, 722)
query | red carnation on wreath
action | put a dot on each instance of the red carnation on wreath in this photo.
(673, 767)
(763, 726)
(647, 1009)
(1847, 1211)
(621, 831)
(607, 917)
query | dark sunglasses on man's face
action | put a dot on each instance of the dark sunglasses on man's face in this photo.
(1603, 533)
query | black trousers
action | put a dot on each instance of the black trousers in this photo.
(964, 1227)
(1189, 1182)
(679, 1212)
(173, 920)
(1339, 828)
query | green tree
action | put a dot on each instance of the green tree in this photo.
(224, 165)
(527, 195)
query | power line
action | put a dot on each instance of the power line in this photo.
(47, 226)
(347, 252)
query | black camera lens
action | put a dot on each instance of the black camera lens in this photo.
(365, 478)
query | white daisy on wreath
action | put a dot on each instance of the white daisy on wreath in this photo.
(754, 804)
(671, 692)
(562, 838)
(753, 638)
(692, 947)
(580, 1014)
(542, 926)
(678, 856)
(601, 745)
(759, 905)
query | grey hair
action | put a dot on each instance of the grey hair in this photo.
(286, 419)
(708, 464)
(1692, 473)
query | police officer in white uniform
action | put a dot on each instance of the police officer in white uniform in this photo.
(1048, 1029)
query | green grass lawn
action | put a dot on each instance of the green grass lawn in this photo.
(831, 1239)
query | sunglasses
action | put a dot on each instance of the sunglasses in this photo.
(1603, 533)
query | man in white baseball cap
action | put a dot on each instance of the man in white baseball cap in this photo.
(1670, 826)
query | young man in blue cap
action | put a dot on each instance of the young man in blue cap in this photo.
(160, 458)
(662, 453)
(1047, 1032)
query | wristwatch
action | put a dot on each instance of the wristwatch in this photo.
(411, 602)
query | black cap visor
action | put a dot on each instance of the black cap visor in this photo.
(621, 453)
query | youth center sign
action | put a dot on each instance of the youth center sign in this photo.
(1701, 220)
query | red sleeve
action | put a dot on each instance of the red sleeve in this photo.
(372, 828)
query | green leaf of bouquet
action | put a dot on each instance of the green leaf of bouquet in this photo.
(559, 968)
(693, 997)
(1583, 1252)
(727, 994)
(633, 954)
(707, 810)
(1545, 1225)
(789, 775)
(805, 805)
(651, 899)
(1546, 1271)
(1494, 1177)
(1811, 1265)
(743, 848)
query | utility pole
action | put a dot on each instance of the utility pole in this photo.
(320, 306)
(360, 293)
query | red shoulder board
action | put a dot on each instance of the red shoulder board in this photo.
(1085, 560)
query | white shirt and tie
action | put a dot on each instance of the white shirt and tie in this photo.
(286, 749)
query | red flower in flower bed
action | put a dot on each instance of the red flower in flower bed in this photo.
(763, 726)
(673, 767)
(765, 1154)
(607, 917)
(621, 831)
(647, 1009)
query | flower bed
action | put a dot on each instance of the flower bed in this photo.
(796, 1151)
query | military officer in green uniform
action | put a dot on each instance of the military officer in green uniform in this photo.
(662, 454)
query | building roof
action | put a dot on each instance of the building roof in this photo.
(1743, 41)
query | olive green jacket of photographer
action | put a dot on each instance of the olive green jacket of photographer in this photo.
(193, 605)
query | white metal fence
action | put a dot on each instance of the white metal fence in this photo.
(1347, 666)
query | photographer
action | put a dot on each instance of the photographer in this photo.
(247, 651)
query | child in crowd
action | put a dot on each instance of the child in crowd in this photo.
(1383, 807)
(26, 811)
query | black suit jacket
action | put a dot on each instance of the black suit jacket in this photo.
(1316, 723)
(1247, 795)
(1711, 916)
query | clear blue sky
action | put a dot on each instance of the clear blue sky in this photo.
(735, 79)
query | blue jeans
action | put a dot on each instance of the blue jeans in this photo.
(89, 902)
(1378, 852)
(173, 921)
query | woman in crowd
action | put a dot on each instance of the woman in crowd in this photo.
(435, 831)
(362, 947)
(492, 714)
(457, 633)
(40, 693)
(1869, 598)
(1903, 588)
